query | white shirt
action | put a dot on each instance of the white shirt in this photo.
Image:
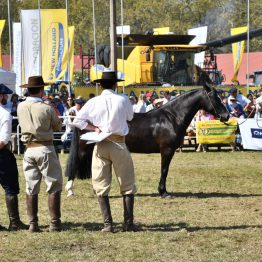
(140, 107)
(5, 125)
(109, 112)
(243, 101)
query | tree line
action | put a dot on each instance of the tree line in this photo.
(143, 15)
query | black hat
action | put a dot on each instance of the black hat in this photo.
(232, 90)
(35, 81)
(108, 76)
(5, 90)
(80, 101)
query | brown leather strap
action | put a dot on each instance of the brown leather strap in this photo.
(116, 138)
(40, 143)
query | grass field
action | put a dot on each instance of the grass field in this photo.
(215, 214)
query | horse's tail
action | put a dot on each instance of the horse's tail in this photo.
(80, 158)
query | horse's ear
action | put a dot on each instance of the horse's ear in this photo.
(208, 87)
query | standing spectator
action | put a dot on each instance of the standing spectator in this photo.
(38, 121)
(110, 112)
(141, 104)
(132, 100)
(79, 102)
(8, 167)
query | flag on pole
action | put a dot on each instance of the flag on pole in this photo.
(30, 21)
(17, 51)
(238, 51)
(54, 44)
(215, 132)
(2, 24)
(71, 31)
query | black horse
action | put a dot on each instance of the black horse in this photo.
(161, 131)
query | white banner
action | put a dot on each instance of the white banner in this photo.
(17, 47)
(201, 38)
(31, 43)
(251, 133)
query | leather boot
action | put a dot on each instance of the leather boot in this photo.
(54, 204)
(128, 203)
(106, 213)
(32, 210)
(13, 213)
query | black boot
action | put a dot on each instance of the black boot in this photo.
(106, 213)
(54, 204)
(32, 210)
(128, 202)
(13, 213)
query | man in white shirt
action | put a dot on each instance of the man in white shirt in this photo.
(241, 99)
(109, 113)
(8, 166)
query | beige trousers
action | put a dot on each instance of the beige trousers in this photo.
(107, 154)
(42, 162)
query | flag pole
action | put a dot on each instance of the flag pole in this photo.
(40, 39)
(122, 36)
(68, 51)
(248, 42)
(10, 37)
(94, 30)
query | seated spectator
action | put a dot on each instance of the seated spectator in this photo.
(241, 99)
(258, 104)
(235, 108)
(141, 104)
(250, 110)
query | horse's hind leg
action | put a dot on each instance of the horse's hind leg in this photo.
(166, 157)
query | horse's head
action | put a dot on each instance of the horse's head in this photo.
(213, 103)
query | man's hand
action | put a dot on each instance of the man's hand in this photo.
(91, 127)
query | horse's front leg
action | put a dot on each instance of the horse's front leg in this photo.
(166, 157)
(69, 187)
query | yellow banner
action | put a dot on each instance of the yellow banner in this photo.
(238, 51)
(84, 91)
(215, 132)
(2, 24)
(54, 44)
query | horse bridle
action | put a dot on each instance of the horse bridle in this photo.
(208, 93)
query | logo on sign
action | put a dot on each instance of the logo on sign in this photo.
(256, 133)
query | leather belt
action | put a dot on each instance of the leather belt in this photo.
(116, 138)
(40, 143)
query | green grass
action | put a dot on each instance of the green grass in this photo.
(215, 214)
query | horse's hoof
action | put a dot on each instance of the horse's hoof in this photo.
(70, 193)
(166, 195)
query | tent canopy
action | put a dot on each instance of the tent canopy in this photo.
(8, 78)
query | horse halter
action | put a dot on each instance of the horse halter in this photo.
(208, 93)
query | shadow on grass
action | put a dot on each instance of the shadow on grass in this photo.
(199, 195)
(164, 227)
(172, 227)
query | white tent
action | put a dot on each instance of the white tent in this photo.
(8, 78)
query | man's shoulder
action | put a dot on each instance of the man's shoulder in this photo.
(5, 113)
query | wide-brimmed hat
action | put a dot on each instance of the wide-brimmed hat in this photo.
(108, 76)
(5, 90)
(35, 81)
